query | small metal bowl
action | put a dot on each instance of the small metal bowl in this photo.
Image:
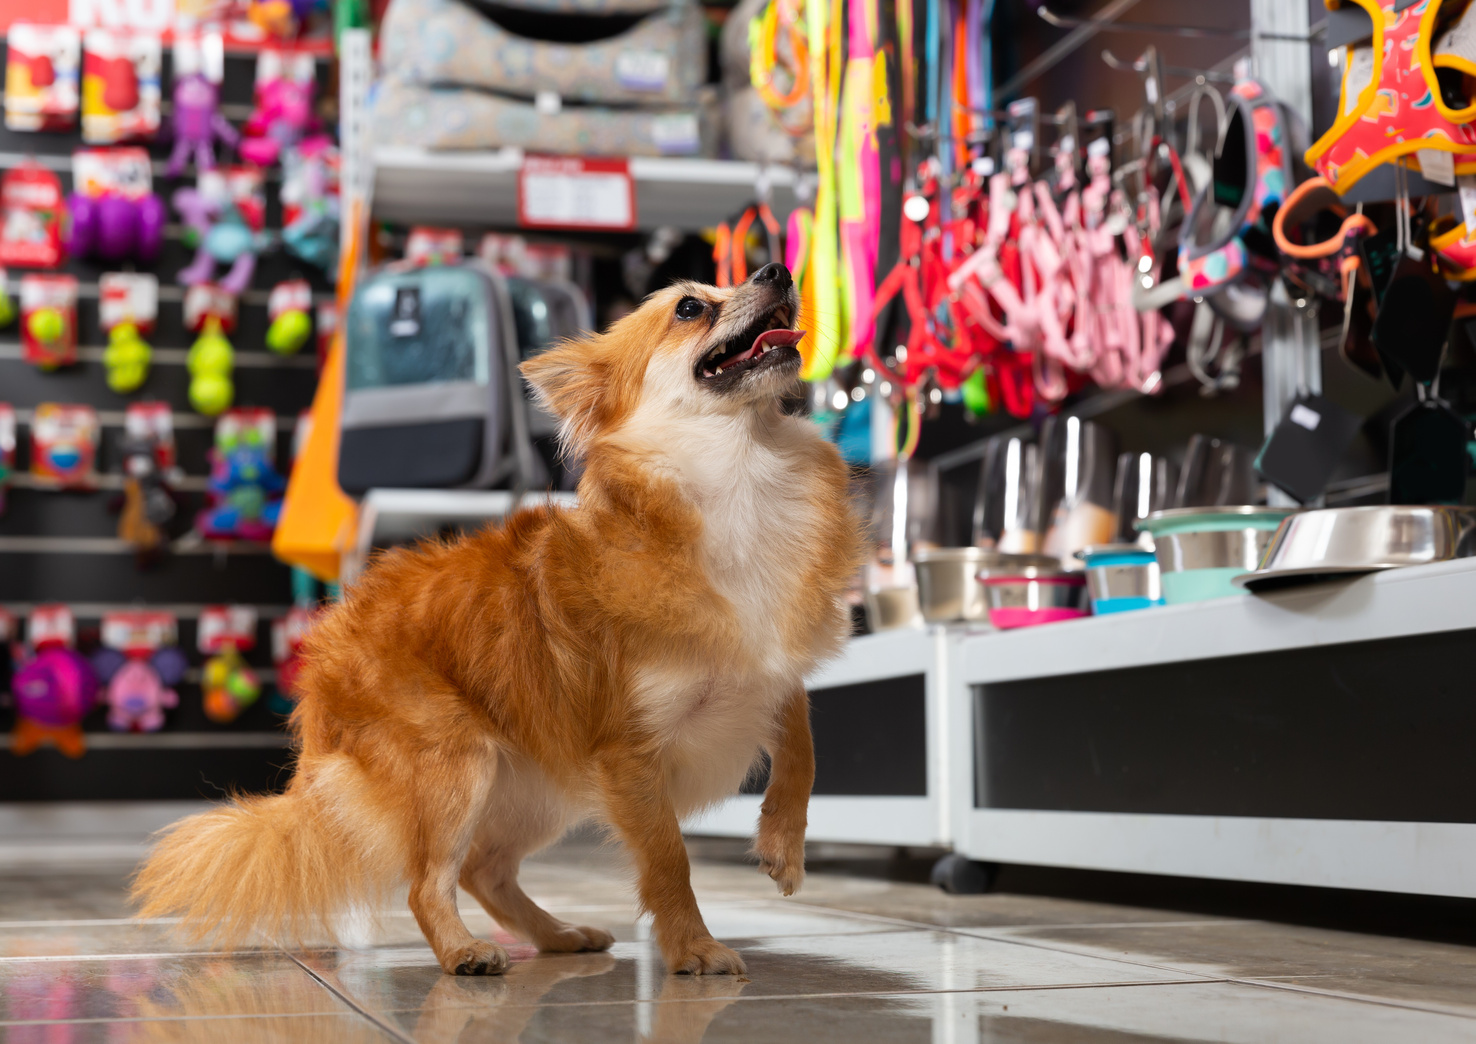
(948, 578)
(1038, 598)
(1121, 577)
(1335, 542)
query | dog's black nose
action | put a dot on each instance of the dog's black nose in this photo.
(773, 272)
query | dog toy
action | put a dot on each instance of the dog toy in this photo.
(63, 445)
(127, 359)
(198, 124)
(120, 85)
(230, 686)
(48, 320)
(310, 203)
(287, 307)
(113, 228)
(7, 454)
(34, 208)
(8, 310)
(147, 504)
(53, 692)
(41, 77)
(221, 235)
(284, 107)
(209, 361)
(245, 488)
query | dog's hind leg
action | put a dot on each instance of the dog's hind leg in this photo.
(448, 789)
(493, 881)
(524, 816)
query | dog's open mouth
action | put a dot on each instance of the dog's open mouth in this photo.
(763, 342)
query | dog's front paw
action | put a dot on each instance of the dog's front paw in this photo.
(706, 957)
(782, 856)
(475, 958)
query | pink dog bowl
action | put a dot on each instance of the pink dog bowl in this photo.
(1027, 601)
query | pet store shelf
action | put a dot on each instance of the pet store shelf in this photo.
(481, 188)
(1393, 604)
(1313, 735)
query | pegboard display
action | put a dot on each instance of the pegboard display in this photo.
(63, 546)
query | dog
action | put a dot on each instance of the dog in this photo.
(623, 661)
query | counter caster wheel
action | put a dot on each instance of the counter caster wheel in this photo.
(960, 875)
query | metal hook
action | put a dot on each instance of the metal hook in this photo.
(1207, 75)
(1103, 26)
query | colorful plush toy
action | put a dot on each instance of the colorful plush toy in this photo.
(197, 124)
(310, 203)
(147, 504)
(230, 686)
(53, 692)
(284, 107)
(209, 361)
(138, 689)
(219, 231)
(245, 488)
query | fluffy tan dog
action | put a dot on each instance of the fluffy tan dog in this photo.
(625, 660)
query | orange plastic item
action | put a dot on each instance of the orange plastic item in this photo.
(319, 521)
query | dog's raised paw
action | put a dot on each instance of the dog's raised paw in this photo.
(580, 939)
(476, 958)
(709, 957)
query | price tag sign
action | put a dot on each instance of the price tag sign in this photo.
(571, 192)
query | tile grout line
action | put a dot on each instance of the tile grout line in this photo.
(1386, 1002)
(393, 1031)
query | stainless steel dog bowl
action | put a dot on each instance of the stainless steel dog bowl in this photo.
(1200, 550)
(1121, 577)
(1041, 597)
(1332, 542)
(948, 580)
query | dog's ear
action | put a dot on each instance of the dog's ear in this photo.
(573, 382)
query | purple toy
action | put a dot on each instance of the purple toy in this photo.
(113, 228)
(197, 124)
(222, 238)
(138, 687)
(55, 688)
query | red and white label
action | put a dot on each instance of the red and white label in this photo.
(123, 172)
(152, 421)
(575, 192)
(255, 424)
(434, 246)
(31, 198)
(138, 633)
(50, 625)
(226, 626)
(208, 301)
(292, 295)
(128, 297)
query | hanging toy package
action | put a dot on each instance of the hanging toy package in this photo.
(41, 68)
(115, 216)
(54, 688)
(245, 491)
(199, 66)
(148, 502)
(49, 320)
(288, 635)
(7, 449)
(64, 446)
(139, 661)
(31, 197)
(287, 309)
(120, 86)
(128, 305)
(284, 115)
(230, 686)
(210, 311)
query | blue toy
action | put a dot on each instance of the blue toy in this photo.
(245, 489)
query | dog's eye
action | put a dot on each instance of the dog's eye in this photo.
(689, 308)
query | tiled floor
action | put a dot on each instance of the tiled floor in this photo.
(853, 959)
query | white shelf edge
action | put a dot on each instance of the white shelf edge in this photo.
(1396, 603)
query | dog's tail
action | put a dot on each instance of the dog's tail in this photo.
(276, 864)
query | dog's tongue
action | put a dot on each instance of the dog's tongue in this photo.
(775, 338)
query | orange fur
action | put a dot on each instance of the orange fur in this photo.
(624, 660)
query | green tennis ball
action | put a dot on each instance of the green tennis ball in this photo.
(7, 309)
(211, 354)
(46, 325)
(289, 332)
(211, 393)
(243, 687)
(127, 377)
